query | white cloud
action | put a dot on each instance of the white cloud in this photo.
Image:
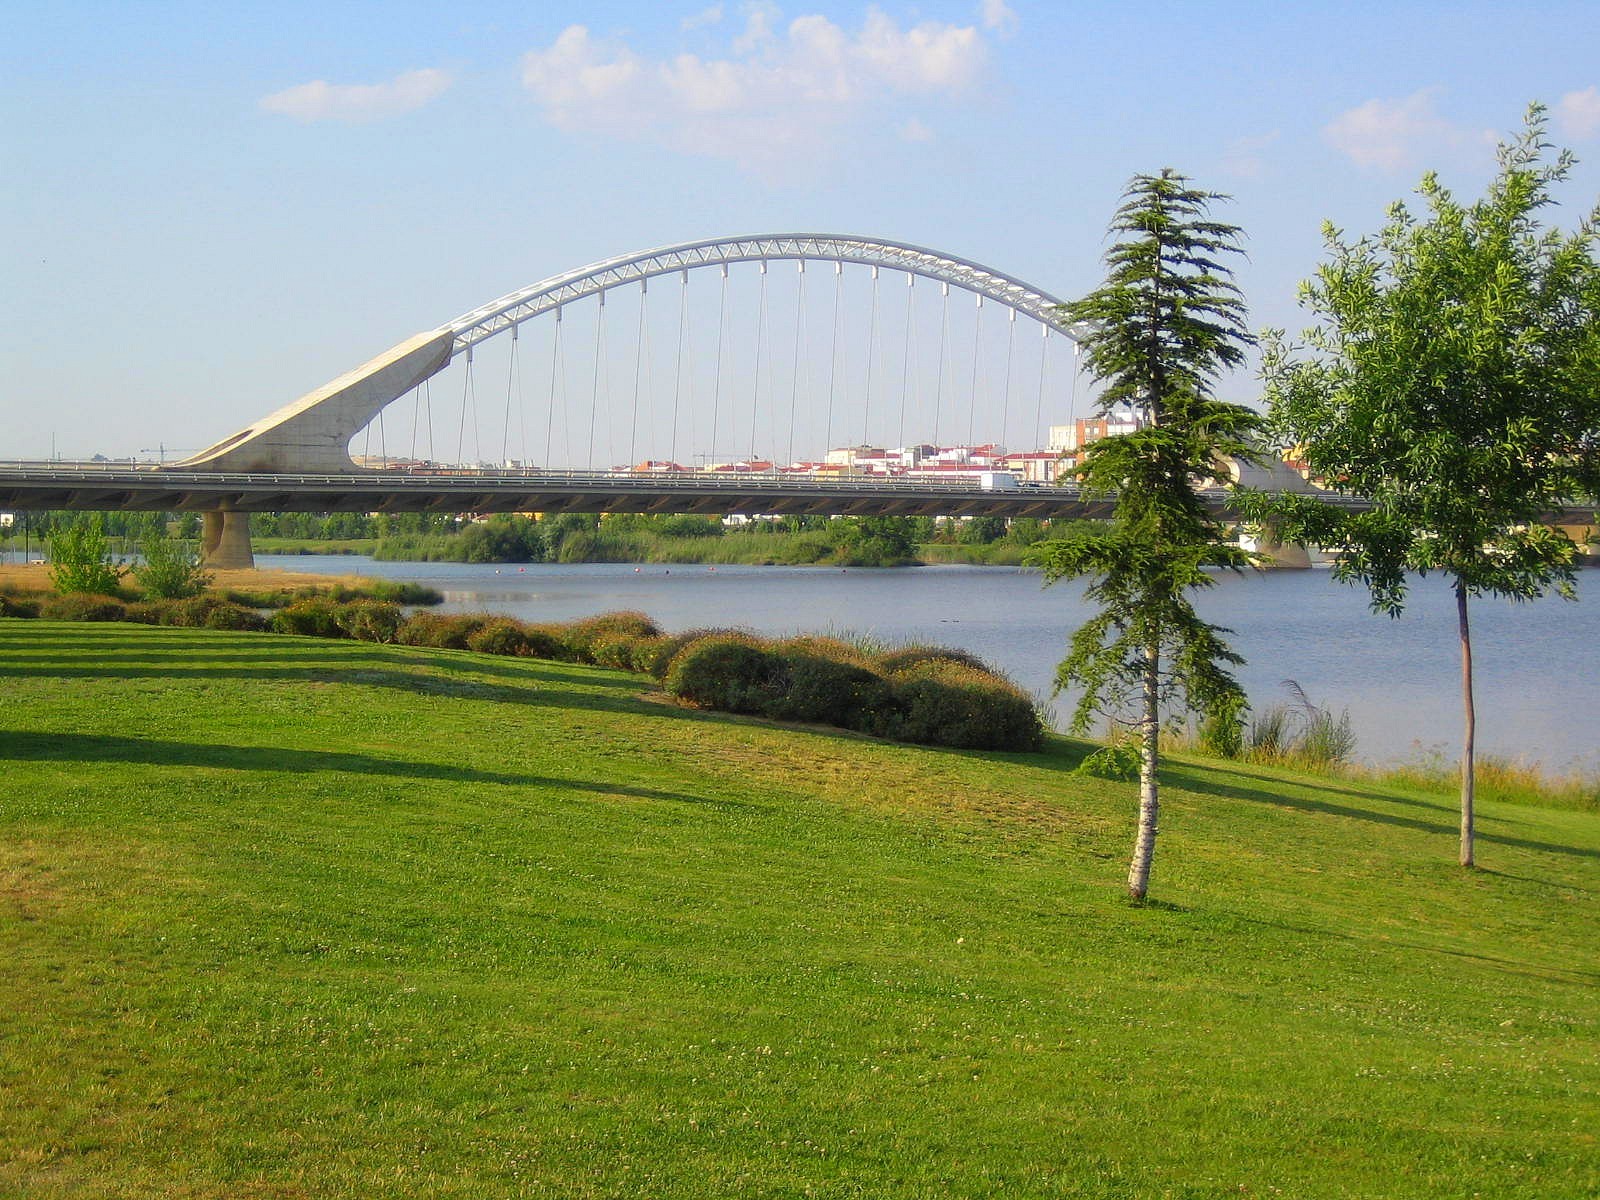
(1393, 135)
(358, 102)
(1578, 113)
(999, 17)
(775, 97)
(914, 130)
(1245, 158)
(699, 20)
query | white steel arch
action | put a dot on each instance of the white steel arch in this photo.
(519, 306)
(314, 433)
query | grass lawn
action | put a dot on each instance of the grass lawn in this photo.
(287, 918)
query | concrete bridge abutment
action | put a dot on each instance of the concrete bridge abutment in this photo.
(225, 541)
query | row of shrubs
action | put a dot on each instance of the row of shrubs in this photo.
(924, 694)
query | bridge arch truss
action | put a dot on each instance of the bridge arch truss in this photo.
(549, 294)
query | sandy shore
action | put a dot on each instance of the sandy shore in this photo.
(36, 577)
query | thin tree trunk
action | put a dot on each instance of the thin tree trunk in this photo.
(1144, 845)
(1468, 775)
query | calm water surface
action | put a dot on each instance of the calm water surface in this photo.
(1538, 683)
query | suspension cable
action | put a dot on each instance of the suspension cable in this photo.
(972, 391)
(944, 351)
(833, 352)
(1005, 402)
(416, 411)
(427, 401)
(638, 348)
(872, 348)
(677, 378)
(594, 385)
(467, 397)
(716, 383)
(905, 363)
(799, 339)
(1044, 361)
(511, 379)
(755, 391)
(550, 408)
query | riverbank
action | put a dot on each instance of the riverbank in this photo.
(379, 921)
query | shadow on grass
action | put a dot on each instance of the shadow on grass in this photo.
(96, 748)
(1192, 781)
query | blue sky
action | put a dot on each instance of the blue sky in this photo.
(211, 209)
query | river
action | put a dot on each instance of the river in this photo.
(1537, 687)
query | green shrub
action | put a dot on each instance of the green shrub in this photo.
(830, 692)
(316, 617)
(672, 644)
(234, 616)
(1119, 761)
(650, 656)
(614, 650)
(548, 642)
(731, 672)
(894, 662)
(83, 606)
(80, 560)
(582, 636)
(16, 606)
(370, 620)
(170, 569)
(502, 635)
(440, 631)
(949, 704)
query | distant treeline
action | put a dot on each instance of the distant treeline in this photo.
(615, 537)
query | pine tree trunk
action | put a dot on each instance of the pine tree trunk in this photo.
(1468, 775)
(1144, 845)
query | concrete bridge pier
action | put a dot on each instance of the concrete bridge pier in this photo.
(225, 541)
(1280, 555)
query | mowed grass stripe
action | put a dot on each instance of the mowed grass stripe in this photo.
(285, 917)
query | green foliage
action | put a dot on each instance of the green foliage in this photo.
(18, 606)
(501, 635)
(892, 662)
(731, 672)
(584, 635)
(370, 620)
(317, 616)
(830, 683)
(1166, 322)
(1118, 761)
(80, 560)
(169, 569)
(82, 606)
(950, 704)
(439, 630)
(1453, 380)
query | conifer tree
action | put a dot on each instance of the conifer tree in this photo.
(1168, 320)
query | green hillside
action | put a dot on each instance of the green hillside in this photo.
(288, 918)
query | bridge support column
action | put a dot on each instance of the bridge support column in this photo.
(1281, 555)
(225, 541)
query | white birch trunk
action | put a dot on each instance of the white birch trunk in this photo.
(1144, 845)
(1468, 773)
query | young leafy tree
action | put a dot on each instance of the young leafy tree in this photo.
(80, 560)
(169, 568)
(1166, 322)
(1453, 380)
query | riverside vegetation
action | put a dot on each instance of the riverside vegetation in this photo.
(343, 918)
